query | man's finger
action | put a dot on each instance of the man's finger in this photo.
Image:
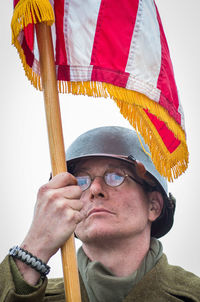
(61, 180)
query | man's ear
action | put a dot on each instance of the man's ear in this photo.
(155, 205)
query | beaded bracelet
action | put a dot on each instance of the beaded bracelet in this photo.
(29, 259)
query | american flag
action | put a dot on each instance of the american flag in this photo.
(115, 49)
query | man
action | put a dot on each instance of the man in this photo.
(117, 204)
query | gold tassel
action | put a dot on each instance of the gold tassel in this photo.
(131, 104)
(170, 165)
(136, 98)
(34, 78)
(30, 11)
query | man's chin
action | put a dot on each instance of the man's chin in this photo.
(97, 236)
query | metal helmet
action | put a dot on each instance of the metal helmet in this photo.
(123, 144)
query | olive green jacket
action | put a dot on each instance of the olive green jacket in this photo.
(164, 283)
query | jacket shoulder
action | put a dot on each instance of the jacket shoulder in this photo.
(178, 281)
(166, 283)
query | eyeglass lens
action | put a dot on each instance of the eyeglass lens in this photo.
(112, 179)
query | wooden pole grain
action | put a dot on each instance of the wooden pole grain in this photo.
(56, 146)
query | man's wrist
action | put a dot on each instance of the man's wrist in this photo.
(23, 255)
(24, 286)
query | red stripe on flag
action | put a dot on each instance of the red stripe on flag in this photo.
(170, 108)
(166, 81)
(168, 137)
(15, 2)
(29, 35)
(61, 57)
(27, 52)
(109, 76)
(63, 73)
(114, 30)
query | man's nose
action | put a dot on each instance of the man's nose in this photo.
(97, 188)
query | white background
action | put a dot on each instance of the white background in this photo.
(24, 153)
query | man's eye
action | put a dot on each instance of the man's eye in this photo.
(83, 181)
(114, 179)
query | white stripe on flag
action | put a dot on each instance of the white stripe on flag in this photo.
(80, 73)
(152, 92)
(79, 27)
(145, 52)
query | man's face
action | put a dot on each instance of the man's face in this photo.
(112, 212)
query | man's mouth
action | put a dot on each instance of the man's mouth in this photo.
(98, 210)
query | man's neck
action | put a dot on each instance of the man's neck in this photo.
(122, 257)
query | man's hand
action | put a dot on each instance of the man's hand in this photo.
(57, 213)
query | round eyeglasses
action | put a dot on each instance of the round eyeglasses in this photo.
(112, 179)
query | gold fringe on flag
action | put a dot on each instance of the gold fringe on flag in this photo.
(34, 78)
(30, 11)
(131, 105)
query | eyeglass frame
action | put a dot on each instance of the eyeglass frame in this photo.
(142, 183)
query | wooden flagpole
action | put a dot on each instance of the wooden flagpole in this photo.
(56, 146)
